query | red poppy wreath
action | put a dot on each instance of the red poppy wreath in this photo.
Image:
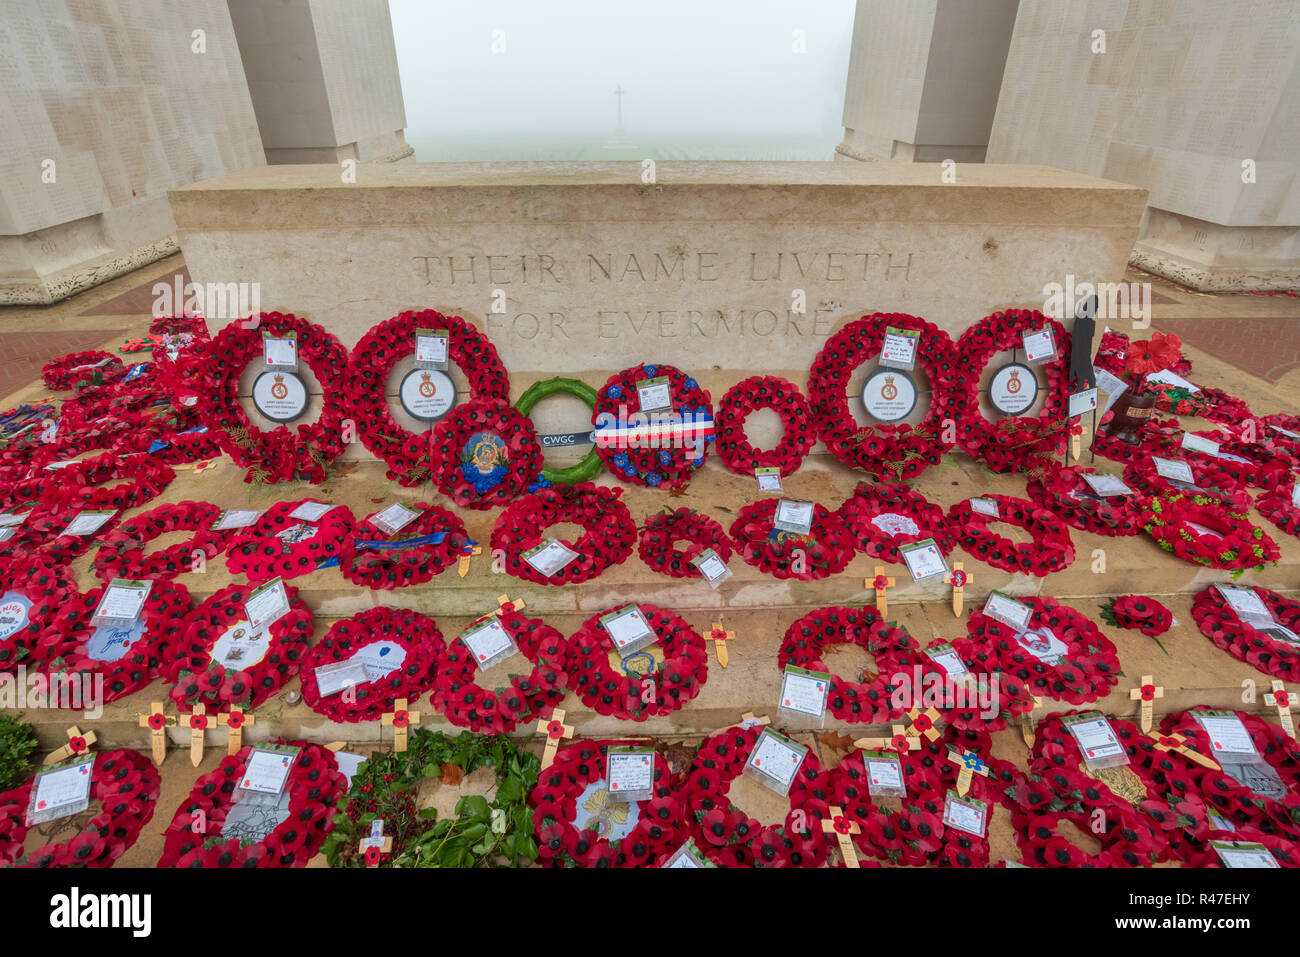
(467, 704)
(1065, 492)
(984, 699)
(764, 392)
(429, 545)
(314, 786)
(1062, 655)
(1142, 475)
(663, 530)
(1277, 504)
(634, 696)
(659, 447)
(280, 544)
(731, 838)
(397, 648)
(1137, 612)
(825, 551)
(1015, 443)
(127, 656)
(581, 767)
(1129, 839)
(45, 535)
(882, 518)
(122, 554)
(224, 662)
(1201, 529)
(278, 455)
(126, 786)
(484, 454)
(871, 701)
(1276, 812)
(894, 452)
(66, 371)
(607, 540)
(1236, 464)
(83, 484)
(26, 480)
(32, 592)
(1273, 654)
(1050, 551)
(372, 361)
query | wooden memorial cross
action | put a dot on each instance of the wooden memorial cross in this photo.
(377, 844)
(1027, 723)
(958, 578)
(157, 722)
(504, 602)
(749, 720)
(1146, 692)
(1178, 744)
(469, 551)
(1281, 699)
(923, 723)
(720, 636)
(399, 719)
(902, 742)
(842, 827)
(881, 583)
(555, 729)
(234, 723)
(969, 764)
(78, 745)
(198, 725)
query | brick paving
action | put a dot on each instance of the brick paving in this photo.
(138, 300)
(1263, 347)
(23, 353)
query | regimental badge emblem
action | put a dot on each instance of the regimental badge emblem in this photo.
(484, 460)
(280, 390)
(427, 388)
(1014, 384)
(889, 391)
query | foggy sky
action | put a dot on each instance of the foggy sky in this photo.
(688, 66)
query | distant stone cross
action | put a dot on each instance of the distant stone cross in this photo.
(968, 764)
(157, 722)
(618, 92)
(958, 578)
(842, 827)
(78, 745)
(719, 635)
(234, 723)
(1146, 692)
(555, 730)
(881, 583)
(399, 719)
(1281, 699)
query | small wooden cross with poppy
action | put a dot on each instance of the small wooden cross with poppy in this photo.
(968, 765)
(901, 741)
(1146, 692)
(924, 723)
(1027, 723)
(399, 719)
(374, 847)
(842, 827)
(881, 584)
(198, 721)
(1281, 699)
(750, 720)
(78, 745)
(1178, 744)
(157, 722)
(504, 603)
(958, 578)
(719, 635)
(466, 553)
(555, 730)
(234, 722)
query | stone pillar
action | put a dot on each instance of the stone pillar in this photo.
(1189, 98)
(105, 106)
(923, 78)
(323, 78)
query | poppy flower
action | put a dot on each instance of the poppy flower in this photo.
(1152, 355)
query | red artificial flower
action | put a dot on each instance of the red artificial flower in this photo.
(1151, 355)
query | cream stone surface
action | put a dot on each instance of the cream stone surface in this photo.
(105, 106)
(1186, 95)
(593, 269)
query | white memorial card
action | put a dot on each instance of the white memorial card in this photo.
(884, 774)
(394, 518)
(794, 516)
(923, 558)
(1165, 377)
(654, 395)
(310, 511)
(235, 518)
(267, 604)
(489, 643)
(1082, 402)
(88, 523)
(1246, 603)
(898, 351)
(1226, 732)
(1239, 854)
(769, 480)
(549, 557)
(335, 676)
(1039, 346)
(1198, 443)
(946, 657)
(628, 629)
(777, 758)
(280, 353)
(122, 601)
(985, 506)
(267, 771)
(965, 814)
(1105, 485)
(804, 692)
(1096, 739)
(1176, 470)
(61, 791)
(1007, 610)
(712, 568)
(629, 772)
